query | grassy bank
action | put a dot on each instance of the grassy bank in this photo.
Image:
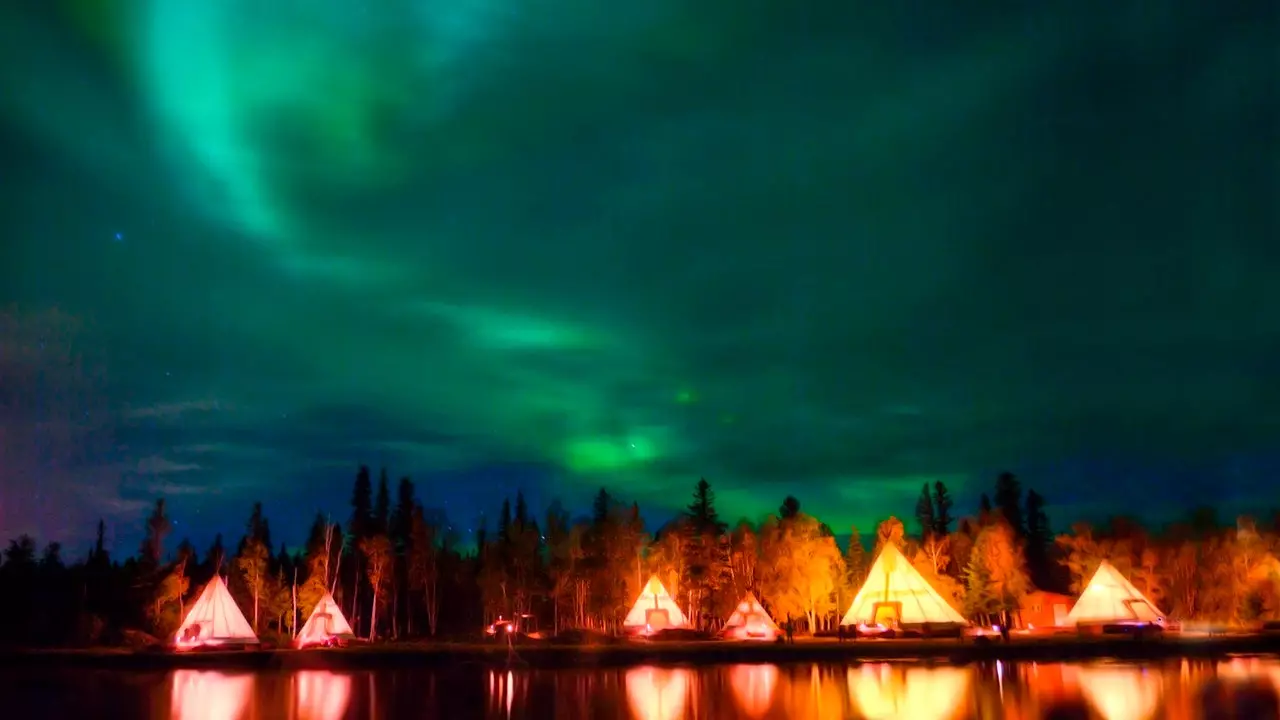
(550, 656)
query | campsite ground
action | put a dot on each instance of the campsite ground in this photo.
(1044, 649)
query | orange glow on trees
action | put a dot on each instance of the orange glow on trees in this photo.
(378, 555)
(997, 574)
(800, 564)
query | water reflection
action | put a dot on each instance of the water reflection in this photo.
(886, 691)
(1173, 690)
(658, 693)
(814, 691)
(753, 688)
(203, 695)
(320, 695)
(1121, 692)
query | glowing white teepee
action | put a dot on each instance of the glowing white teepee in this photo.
(654, 610)
(1111, 598)
(896, 592)
(326, 623)
(749, 621)
(214, 620)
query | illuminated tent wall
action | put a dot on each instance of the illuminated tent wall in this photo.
(654, 610)
(1110, 598)
(749, 621)
(896, 591)
(214, 620)
(326, 621)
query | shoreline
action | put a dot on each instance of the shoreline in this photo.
(632, 654)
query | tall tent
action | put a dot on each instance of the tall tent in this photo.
(749, 621)
(1111, 598)
(895, 592)
(654, 610)
(214, 620)
(326, 623)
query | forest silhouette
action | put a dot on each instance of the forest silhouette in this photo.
(398, 571)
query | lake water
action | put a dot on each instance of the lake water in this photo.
(1174, 690)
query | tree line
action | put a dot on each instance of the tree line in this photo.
(398, 571)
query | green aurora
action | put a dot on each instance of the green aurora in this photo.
(834, 251)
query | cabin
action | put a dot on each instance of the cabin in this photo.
(1044, 609)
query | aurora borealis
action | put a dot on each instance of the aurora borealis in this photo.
(830, 251)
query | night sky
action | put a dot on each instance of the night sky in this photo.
(829, 249)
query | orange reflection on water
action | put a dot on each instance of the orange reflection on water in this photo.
(1121, 693)
(206, 695)
(885, 691)
(658, 693)
(753, 687)
(320, 695)
(1251, 668)
(503, 688)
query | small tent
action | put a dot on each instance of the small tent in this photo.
(749, 621)
(654, 610)
(214, 620)
(1111, 598)
(326, 624)
(896, 593)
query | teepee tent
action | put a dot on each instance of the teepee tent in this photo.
(895, 592)
(214, 620)
(327, 623)
(1110, 598)
(654, 610)
(749, 621)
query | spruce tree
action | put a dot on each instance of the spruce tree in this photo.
(1039, 541)
(941, 509)
(361, 505)
(382, 505)
(790, 508)
(1008, 500)
(702, 511)
(924, 513)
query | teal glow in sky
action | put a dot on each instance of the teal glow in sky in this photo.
(833, 252)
